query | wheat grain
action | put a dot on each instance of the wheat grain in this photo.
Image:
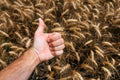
(97, 11)
(28, 43)
(105, 27)
(74, 5)
(57, 24)
(4, 33)
(99, 53)
(107, 71)
(20, 49)
(92, 58)
(86, 66)
(66, 78)
(99, 49)
(58, 29)
(96, 27)
(24, 39)
(80, 34)
(109, 64)
(75, 36)
(105, 43)
(18, 35)
(13, 53)
(78, 57)
(117, 21)
(88, 42)
(64, 68)
(71, 20)
(57, 67)
(11, 22)
(49, 67)
(50, 10)
(65, 12)
(6, 44)
(87, 9)
(78, 75)
(85, 24)
(3, 63)
(113, 61)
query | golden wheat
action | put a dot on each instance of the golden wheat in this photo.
(90, 29)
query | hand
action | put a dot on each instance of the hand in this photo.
(47, 45)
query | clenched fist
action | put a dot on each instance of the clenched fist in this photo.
(47, 45)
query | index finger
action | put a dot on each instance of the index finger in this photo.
(54, 37)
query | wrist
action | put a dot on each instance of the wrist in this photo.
(34, 51)
(39, 55)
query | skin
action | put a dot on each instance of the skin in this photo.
(45, 47)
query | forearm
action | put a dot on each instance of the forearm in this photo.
(22, 68)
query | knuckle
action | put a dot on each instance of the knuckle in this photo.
(52, 44)
(53, 49)
(51, 39)
(63, 46)
(61, 51)
(58, 34)
(62, 40)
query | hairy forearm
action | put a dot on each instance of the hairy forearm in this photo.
(22, 68)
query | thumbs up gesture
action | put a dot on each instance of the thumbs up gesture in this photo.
(47, 45)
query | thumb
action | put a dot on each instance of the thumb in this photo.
(40, 28)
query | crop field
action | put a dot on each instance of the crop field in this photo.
(90, 28)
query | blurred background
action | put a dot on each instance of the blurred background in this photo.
(90, 28)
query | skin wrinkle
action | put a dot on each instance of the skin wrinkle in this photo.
(61, 41)
(57, 48)
(55, 53)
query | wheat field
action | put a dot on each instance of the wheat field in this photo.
(90, 28)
